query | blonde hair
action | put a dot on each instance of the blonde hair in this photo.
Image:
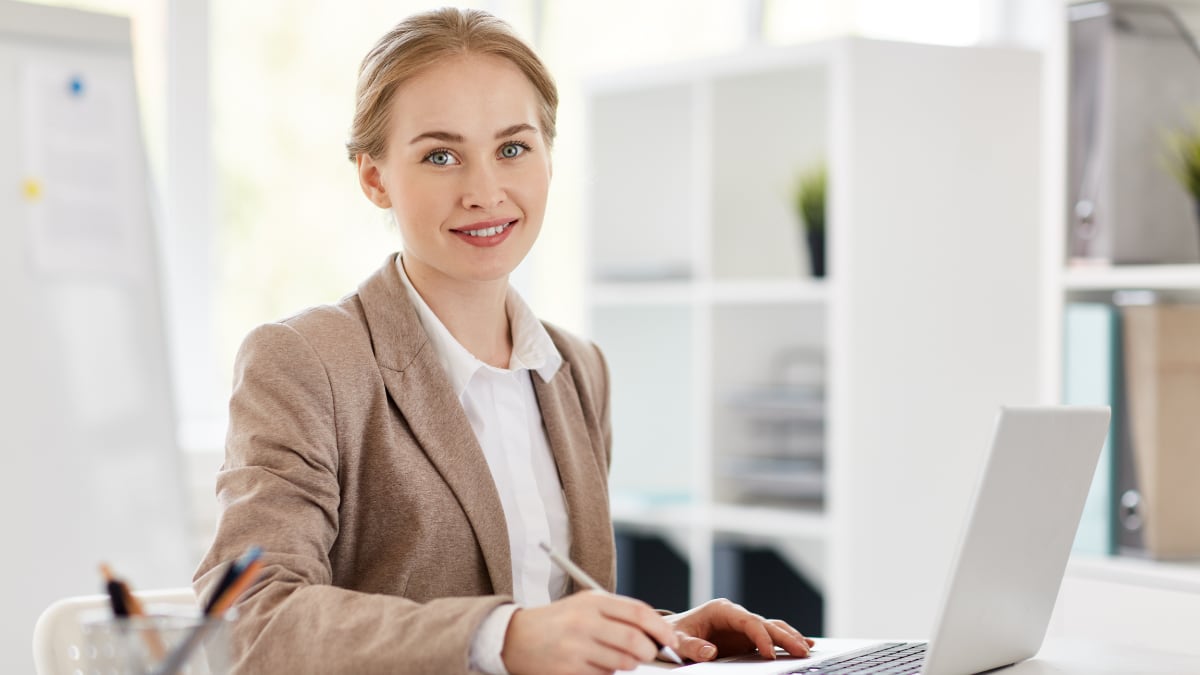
(423, 40)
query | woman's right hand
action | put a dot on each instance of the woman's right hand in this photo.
(588, 632)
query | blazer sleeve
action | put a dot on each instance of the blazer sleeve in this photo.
(279, 489)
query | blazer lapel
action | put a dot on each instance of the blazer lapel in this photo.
(585, 487)
(422, 392)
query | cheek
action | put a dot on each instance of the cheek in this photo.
(416, 194)
(535, 187)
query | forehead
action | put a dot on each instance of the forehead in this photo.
(471, 92)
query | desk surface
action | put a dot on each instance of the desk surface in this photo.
(1057, 657)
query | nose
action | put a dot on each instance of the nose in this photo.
(482, 188)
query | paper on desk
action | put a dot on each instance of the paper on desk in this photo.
(743, 665)
(655, 668)
(753, 665)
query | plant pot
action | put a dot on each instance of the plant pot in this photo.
(816, 252)
(1196, 205)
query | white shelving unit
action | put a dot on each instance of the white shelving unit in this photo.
(721, 292)
(1077, 280)
(1168, 576)
(769, 522)
(1131, 601)
(930, 318)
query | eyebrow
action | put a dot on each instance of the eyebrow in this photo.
(447, 137)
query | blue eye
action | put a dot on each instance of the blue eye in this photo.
(441, 158)
(512, 150)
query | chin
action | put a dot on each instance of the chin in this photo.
(489, 272)
(493, 268)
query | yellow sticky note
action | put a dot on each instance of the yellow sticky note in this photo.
(31, 189)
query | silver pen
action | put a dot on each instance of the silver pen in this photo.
(583, 579)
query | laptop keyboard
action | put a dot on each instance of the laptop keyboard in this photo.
(888, 658)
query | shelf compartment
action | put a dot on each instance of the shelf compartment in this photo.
(644, 226)
(650, 569)
(756, 232)
(651, 393)
(772, 479)
(768, 391)
(760, 578)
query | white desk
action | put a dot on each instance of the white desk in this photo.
(1057, 657)
(1063, 657)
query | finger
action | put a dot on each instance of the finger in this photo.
(639, 614)
(593, 669)
(609, 658)
(696, 649)
(604, 663)
(626, 639)
(786, 626)
(756, 631)
(787, 637)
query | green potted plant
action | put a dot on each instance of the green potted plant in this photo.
(1184, 161)
(810, 208)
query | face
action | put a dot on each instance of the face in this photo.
(466, 171)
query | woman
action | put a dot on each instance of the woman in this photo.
(400, 455)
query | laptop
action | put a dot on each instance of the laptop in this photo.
(1010, 561)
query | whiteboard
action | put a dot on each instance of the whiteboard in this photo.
(87, 429)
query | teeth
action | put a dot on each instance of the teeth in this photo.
(489, 231)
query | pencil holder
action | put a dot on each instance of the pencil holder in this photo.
(155, 645)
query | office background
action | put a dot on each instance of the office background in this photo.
(245, 107)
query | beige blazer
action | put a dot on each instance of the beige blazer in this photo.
(350, 461)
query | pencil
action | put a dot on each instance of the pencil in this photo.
(115, 596)
(231, 574)
(126, 604)
(217, 606)
(248, 576)
(583, 579)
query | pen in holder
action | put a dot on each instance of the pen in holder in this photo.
(120, 645)
(132, 641)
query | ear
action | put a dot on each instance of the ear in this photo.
(370, 180)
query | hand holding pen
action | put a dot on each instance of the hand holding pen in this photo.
(714, 628)
(584, 580)
(586, 632)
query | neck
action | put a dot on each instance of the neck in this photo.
(473, 311)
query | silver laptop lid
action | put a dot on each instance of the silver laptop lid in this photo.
(1017, 538)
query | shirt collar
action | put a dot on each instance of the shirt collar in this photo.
(533, 349)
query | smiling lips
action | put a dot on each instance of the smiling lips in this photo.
(486, 233)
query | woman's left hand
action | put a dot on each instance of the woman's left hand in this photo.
(723, 628)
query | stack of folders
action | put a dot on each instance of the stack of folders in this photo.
(1160, 498)
(1142, 360)
(780, 452)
